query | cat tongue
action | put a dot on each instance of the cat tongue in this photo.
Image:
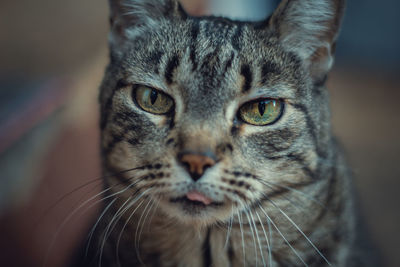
(196, 196)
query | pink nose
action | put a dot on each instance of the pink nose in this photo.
(196, 164)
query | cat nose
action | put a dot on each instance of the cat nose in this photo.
(196, 164)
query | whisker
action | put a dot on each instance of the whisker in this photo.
(67, 219)
(266, 238)
(228, 232)
(122, 209)
(144, 221)
(136, 241)
(284, 238)
(95, 226)
(299, 208)
(298, 229)
(124, 226)
(100, 179)
(241, 231)
(157, 200)
(270, 184)
(270, 237)
(251, 229)
(258, 237)
(113, 222)
(130, 216)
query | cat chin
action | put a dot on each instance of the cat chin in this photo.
(196, 215)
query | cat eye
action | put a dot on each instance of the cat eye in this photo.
(261, 112)
(152, 100)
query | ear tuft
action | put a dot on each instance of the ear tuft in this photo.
(129, 14)
(309, 28)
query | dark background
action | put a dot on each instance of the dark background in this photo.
(61, 46)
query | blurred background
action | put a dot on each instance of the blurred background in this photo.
(52, 57)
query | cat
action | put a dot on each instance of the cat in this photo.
(216, 141)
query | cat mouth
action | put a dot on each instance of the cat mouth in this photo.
(196, 201)
(184, 200)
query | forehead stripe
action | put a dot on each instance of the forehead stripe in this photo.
(248, 77)
(267, 69)
(194, 34)
(173, 63)
(236, 37)
(228, 64)
(155, 59)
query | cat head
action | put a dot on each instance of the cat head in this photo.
(214, 115)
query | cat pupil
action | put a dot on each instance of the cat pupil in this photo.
(261, 107)
(153, 96)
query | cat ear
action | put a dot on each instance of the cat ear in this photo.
(309, 28)
(128, 15)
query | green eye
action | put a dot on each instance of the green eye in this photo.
(261, 112)
(152, 100)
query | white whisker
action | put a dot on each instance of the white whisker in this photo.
(266, 238)
(228, 232)
(138, 226)
(258, 237)
(298, 229)
(64, 222)
(110, 226)
(144, 222)
(284, 238)
(269, 183)
(124, 226)
(241, 231)
(95, 225)
(251, 230)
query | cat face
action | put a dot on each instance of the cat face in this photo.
(213, 115)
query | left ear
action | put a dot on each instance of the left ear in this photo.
(126, 15)
(309, 28)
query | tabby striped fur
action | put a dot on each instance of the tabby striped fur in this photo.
(282, 193)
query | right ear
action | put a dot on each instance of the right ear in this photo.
(309, 28)
(128, 16)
